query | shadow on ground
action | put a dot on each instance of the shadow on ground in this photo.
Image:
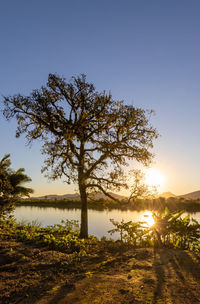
(40, 276)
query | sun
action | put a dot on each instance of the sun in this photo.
(154, 178)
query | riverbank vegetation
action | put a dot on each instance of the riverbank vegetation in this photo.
(159, 204)
(170, 230)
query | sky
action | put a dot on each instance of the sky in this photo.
(144, 52)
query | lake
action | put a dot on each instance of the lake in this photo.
(99, 221)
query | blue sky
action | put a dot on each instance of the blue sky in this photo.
(145, 52)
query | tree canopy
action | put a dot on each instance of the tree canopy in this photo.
(11, 185)
(87, 136)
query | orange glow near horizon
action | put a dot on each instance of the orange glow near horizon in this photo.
(154, 178)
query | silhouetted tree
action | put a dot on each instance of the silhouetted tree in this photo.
(139, 188)
(11, 185)
(88, 137)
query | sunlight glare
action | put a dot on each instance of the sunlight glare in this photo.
(154, 178)
(148, 219)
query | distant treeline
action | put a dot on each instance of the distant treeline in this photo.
(61, 203)
(172, 203)
(140, 204)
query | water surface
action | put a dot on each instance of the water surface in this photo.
(99, 221)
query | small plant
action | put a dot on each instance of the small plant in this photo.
(121, 228)
(129, 232)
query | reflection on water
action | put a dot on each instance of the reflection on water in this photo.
(99, 221)
(147, 218)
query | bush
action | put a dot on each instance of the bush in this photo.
(169, 230)
(62, 237)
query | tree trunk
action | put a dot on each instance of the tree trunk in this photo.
(84, 213)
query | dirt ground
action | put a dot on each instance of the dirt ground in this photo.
(30, 275)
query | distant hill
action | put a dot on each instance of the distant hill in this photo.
(100, 195)
(166, 195)
(191, 196)
(76, 196)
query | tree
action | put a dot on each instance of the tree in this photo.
(87, 136)
(140, 189)
(11, 185)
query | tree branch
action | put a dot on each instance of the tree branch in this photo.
(102, 190)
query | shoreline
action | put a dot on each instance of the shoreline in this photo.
(139, 205)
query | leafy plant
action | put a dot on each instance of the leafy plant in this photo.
(11, 185)
(129, 232)
(62, 237)
(169, 230)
